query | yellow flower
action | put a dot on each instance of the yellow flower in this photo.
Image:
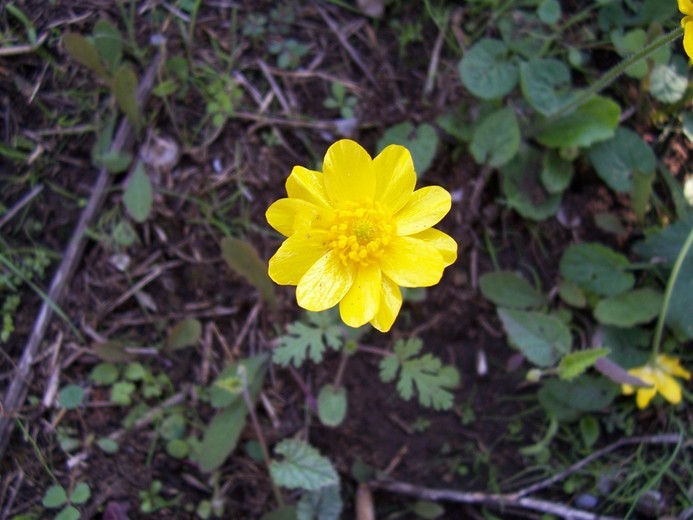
(686, 7)
(660, 378)
(357, 232)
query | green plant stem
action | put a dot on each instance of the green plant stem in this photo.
(667, 293)
(608, 78)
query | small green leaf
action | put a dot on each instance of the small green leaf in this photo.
(186, 333)
(571, 294)
(543, 339)
(629, 308)
(332, 405)
(507, 289)
(567, 400)
(668, 83)
(549, 11)
(84, 53)
(487, 71)
(496, 139)
(173, 427)
(545, 84)
(121, 392)
(80, 493)
(596, 268)
(589, 430)
(617, 159)
(575, 363)
(241, 256)
(593, 121)
(112, 351)
(54, 497)
(125, 92)
(322, 504)
(284, 513)
(135, 372)
(108, 445)
(302, 467)
(104, 374)
(71, 397)
(556, 173)
(303, 341)
(115, 161)
(177, 448)
(139, 194)
(428, 510)
(69, 513)
(421, 141)
(108, 42)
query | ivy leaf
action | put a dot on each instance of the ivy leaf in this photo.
(308, 340)
(431, 378)
(302, 468)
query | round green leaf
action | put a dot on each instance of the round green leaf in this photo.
(549, 12)
(487, 71)
(596, 268)
(421, 141)
(54, 497)
(173, 427)
(332, 405)
(69, 513)
(571, 294)
(556, 173)
(617, 159)
(177, 448)
(507, 289)
(629, 308)
(108, 445)
(496, 139)
(545, 84)
(184, 334)
(589, 430)
(80, 493)
(542, 339)
(71, 397)
(104, 374)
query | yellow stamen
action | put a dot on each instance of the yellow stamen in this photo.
(360, 232)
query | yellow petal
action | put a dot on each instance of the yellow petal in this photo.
(686, 6)
(360, 304)
(687, 24)
(348, 171)
(395, 177)
(290, 215)
(296, 255)
(444, 243)
(644, 396)
(668, 387)
(673, 366)
(412, 263)
(307, 185)
(424, 209)
(390, 304)
(324, 284)
(627, 389)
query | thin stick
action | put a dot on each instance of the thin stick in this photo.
(20, 204)
(16, 393)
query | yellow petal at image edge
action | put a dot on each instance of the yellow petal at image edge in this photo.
(395, 177)
(390, 304)
(687, 24)
(291, 215)
(425, 208)
(324, 284)
(361, 302)
(307, 185)
(348, 171)
(295, 256)
(410, 262)
(443, 242)
(686, 6)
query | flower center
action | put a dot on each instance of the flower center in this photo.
(360, 232)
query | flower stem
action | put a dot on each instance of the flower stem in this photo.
(608, 78)
(667, 293)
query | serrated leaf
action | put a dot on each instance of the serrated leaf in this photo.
(332, 405)
(629, 308)
(185, 334)
(543, 339)
(303, 341)
(302, 467)
(496, 139)
(421, 141)
(575, 363)
(80, 493)
(125, 92)
(84, 53)
(139, 194)
(54, 497)
(322, 504)
(487, 71)
(545, 84)
(507, 289)
(242, 257)
(426, 374)
(108, 42)
(593, 121)
(596, 268)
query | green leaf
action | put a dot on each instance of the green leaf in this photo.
(69, 513)
(641, 193)
(135, 372)
(556, 173)
(575, 363)
(302, 467)
(593, 121)
(428, 510)
(427, 374)
(125, 92)
(571, 294)
(487, 71)
(80, 493)
(84, 53)
(549, 11)
(108, 445)
(228, 386)
(104, 374)
(332, 405)
(307, 340)
(522, 186)
(177, 448)
(589, 430)
(567, 400)
(112, 351)
(596, 268)
(542, 339)
(71, 397)
(121, 392)
(507, 289)
(629, 308)
(422, 142)
(242, 257)
(173, 427)
(115, 161)
(139, 194)
(687, 124)
(545, 84)
(322, 504)
(186, 333)
(496, 139)
(108, 42)
(54, 497)
(284, 513)
(668, 83)
(617, 159)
